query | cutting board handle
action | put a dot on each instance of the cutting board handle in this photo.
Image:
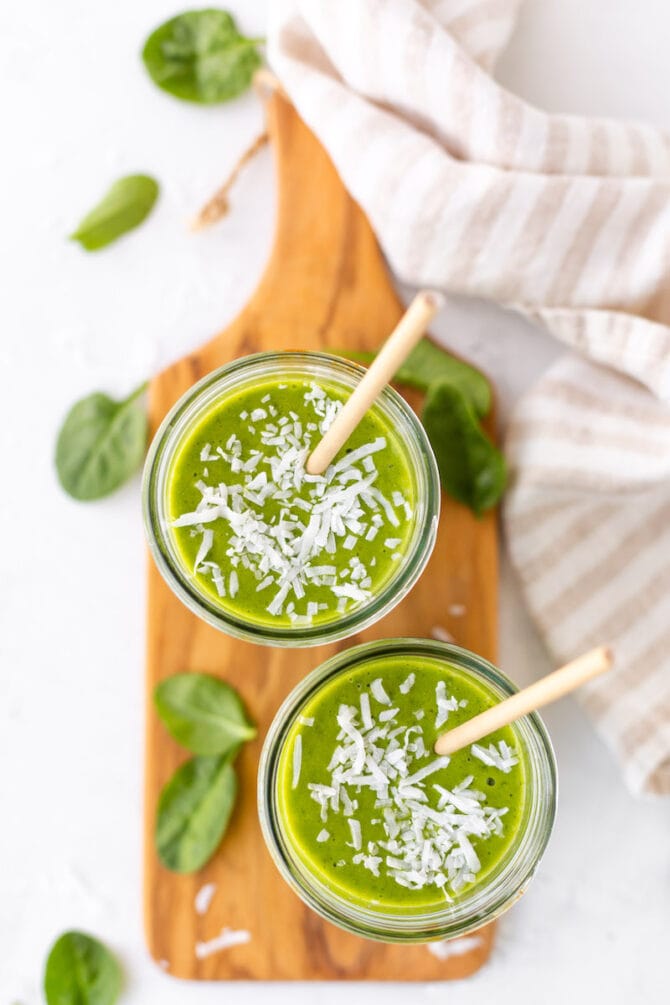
(322, 244)
(325, 288)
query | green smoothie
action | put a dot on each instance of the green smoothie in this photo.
(266, 541)
(369, 808)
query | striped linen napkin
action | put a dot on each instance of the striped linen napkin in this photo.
(567, 220)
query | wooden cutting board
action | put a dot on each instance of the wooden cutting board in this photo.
(326, 286)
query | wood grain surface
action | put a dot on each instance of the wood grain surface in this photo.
(326, 286)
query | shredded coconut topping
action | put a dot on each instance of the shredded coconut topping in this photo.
(427, 829)
(444, 705)
(315, 514)
(407, 684)
(501, 757)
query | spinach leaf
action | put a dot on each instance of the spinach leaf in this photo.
(81, 971)
(427, 362)
(125, 205)
(100, 445)
(201, 56)
(472, 469)
(203, 713)
(193, 812)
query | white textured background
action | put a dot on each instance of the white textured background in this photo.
(78, 111)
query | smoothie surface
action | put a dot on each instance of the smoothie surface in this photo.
(271, 544)
(369, 808)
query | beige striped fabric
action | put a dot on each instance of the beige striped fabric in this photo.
(568, 221)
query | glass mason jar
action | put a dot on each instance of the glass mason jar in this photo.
(247, 373)
(476, 906)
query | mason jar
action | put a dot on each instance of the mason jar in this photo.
(185, 417)
(476, 905)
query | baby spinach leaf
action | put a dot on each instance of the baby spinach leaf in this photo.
(427, 362)
(81, 971)
(201, 56)
(100, 445)
(472, 469)
(126, 204)
(203, 713)
(193, 812)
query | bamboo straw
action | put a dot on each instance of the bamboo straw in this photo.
(542, 692)
(392, 355)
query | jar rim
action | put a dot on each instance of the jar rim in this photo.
(498, 891)
(181, 418)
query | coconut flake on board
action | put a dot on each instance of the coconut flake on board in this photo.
(447, 948)
(227, 938)
(203, 898)
(457, 610)
(440, 634)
